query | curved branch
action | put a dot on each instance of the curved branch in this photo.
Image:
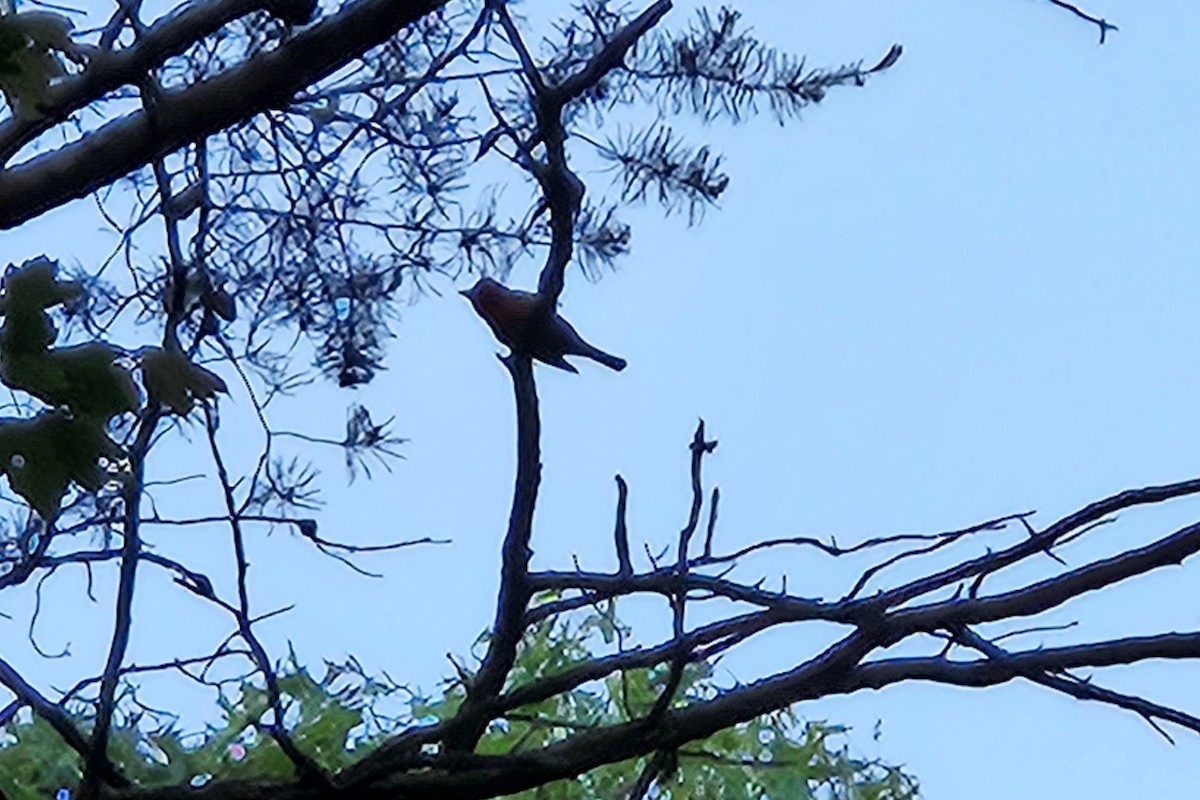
(1104, 25)
(1039, 542)
(108, 71)
(1047, 594)
(266, 81)
(472, 718)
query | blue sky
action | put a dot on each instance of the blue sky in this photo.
(963, 291)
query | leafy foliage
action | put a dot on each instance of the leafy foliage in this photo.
(342, 715)
(86, 387)
(29, 46)
(172, 379)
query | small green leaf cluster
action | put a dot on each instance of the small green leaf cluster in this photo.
(331, 719)
(29, 46)
(85, 386)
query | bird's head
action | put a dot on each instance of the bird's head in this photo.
(482, 289)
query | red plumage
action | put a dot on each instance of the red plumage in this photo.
(517, 322)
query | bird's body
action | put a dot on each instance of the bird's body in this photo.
(518, 321)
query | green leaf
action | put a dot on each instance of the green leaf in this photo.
(43, 455)
(85, 378)
(28, 61)
(171, 379)
(28, 291)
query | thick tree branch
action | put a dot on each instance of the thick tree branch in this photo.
(691, 643)
(1041, 541)
(561, 187)
(266, 81)
(1052, 592)
(108, 71)
(988, 672)
(1084, 690)
(472, 718)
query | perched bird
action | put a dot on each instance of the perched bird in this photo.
(515, 319)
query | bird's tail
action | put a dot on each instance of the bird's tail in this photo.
(607, 359)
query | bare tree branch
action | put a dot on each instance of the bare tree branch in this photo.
(1104, 25)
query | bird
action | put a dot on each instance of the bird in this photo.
(517, 320)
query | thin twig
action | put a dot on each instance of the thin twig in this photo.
(1104, 25)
